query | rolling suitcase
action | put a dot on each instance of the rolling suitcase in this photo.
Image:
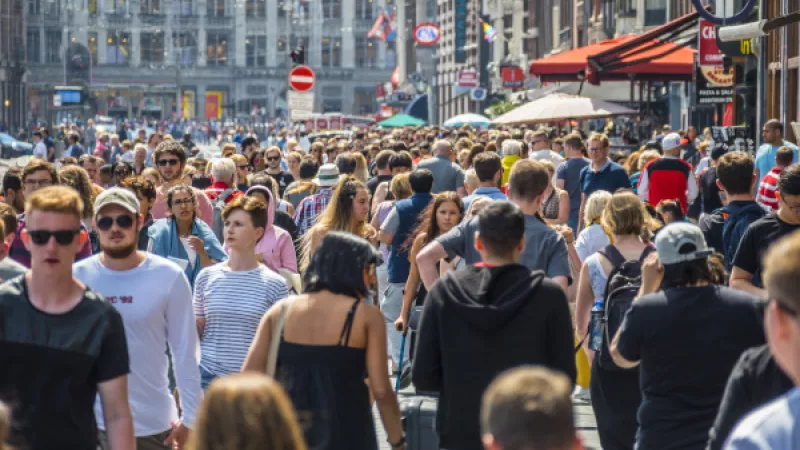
(418, 414)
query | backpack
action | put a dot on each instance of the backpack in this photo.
(218, 205)
(733, 228)
(622, 286)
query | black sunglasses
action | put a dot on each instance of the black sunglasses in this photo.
(171, 162)
(63, 237)
(273, 158)
(105, 223)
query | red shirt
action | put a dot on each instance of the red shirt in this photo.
(216, 189)
(768, 189)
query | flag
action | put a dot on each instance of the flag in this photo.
(396, 77)
(489, 33)
(376, 27)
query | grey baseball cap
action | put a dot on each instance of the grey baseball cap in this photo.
(681, 242)
(117, 196)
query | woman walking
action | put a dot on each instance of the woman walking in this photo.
(328, 342)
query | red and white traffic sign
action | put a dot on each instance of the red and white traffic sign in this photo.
(302, 79)
(468, 79)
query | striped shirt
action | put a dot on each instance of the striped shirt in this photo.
(767, 190)
(232, 304)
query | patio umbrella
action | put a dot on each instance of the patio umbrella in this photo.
(473, 120)
(558, 106)
(401, 120)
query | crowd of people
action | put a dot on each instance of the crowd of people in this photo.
(153, 298)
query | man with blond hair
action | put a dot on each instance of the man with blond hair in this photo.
(602, 174)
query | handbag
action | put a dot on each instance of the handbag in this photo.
(275, 342)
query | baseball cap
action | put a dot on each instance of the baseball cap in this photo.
(681, 242)
(671, 141)
(328, 175)
(117, 196)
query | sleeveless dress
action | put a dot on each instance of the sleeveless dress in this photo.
(550, 205)
(615, 394)
(326, 385)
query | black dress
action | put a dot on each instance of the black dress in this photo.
(326, 385)
(615, 401)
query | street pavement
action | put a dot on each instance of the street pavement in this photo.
(584, 422)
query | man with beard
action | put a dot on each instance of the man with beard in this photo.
(284, 179)
(155, 301)
(170, 160)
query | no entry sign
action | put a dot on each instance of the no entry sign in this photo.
(301, 79)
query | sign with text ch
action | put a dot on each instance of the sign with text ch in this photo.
(302, 79)
(707, 48)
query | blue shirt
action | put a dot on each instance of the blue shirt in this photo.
(491, 192)
(771, 427)
(765, 157)
(609, 178)
(570, 171)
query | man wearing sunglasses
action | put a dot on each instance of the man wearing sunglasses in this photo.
(273, 158)
(170, 160)
(37, 175)
(155, 301)
(746, 272)
(61, 343)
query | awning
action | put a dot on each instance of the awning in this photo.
(660, 54)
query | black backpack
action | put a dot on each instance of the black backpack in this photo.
(622, 286)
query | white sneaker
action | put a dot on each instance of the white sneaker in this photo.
(581, 394)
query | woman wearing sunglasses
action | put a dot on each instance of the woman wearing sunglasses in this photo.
(182, 237)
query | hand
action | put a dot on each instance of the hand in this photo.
(567, 233)
(179, 436)
(196, 244)
(372, 235)
(400, 324)
(652, 274)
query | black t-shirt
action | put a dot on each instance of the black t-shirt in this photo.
(710, 191)
(284, 179)
(374, 182)
(688, 340)
(51, 365)
(755, 242)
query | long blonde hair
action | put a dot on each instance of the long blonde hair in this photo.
(246, 411)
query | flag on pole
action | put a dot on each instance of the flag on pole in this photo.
(489, 33)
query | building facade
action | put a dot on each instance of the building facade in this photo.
(206, 59)
(12, 65)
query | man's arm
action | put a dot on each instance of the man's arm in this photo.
(389, 227)
(117, 413)
(742, 280)
(426, 261)
(692, 190)
(618, 358)
(644, 185)
(580, 213)
(385, 237)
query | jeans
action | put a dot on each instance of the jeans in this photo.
(391, 304)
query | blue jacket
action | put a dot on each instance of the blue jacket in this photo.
(165, 241)
(408, 211)
(738, 216)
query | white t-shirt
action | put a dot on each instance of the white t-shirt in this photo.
(232, 303)
(590, 240)
(548, 155)
(40, 151)
(155, 302)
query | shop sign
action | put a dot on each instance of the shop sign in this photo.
(713, 86)
(708, 51)
(513, 77)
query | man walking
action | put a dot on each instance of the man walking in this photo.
(487, 318)
(489, 169)
(312, 207)
(60, 343)
(602, 174)
(668, 177)
(155, 301)
(447, 175)
(170, 159)
(568, 176)
(772, 132)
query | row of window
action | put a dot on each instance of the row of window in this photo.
(153, 49)
(329, 9)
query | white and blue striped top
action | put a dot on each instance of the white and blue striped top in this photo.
(232, 303)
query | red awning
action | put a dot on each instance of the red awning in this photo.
(648, 56)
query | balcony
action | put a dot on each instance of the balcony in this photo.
(153, 19)
(44, 19)
(219, 21)
(117, 20)
(188, 21)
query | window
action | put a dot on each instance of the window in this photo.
(430, 10)
(152, 45)
(93, 47)
(91, 6)
(52, 46)
(256, 50)
(150, 6)
(117, 48)
(655, 12)
(256, 8)
(366, 52)
(364, 9)
(332, 9)
(331, 52)
(215, 8)
(119, 7)
(34, 51)
(184, 49)
(46, 7)
(331, 105)
(182, 8)
(217, 51)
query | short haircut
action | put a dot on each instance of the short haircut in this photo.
(400, 187)
(347, 164)
(8, 217)
(541, 134)
(170, 147)
(140, 186)
(12, 179)
(400, 147)
(784, 156)
(512, 147)
(529, 408)
(599, 137)
(421, 181)
(248, 141)
(527, 180)
(402, 159)
(383, 158)
(56, 199)
(273, 149)
(671, 206)
(88, 159)
(229, 147)
(501, 226)
(486, 165)
(574, 141)
(37, 134)
(36, 165)
(223, 169)
(308, 168)
(789, 182)
(775, 124)
(735, 172)
(255, 208)
(781, 270)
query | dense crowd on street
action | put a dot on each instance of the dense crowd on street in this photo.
(157, 297)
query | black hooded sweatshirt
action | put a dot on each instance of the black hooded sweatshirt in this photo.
(478, 322)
